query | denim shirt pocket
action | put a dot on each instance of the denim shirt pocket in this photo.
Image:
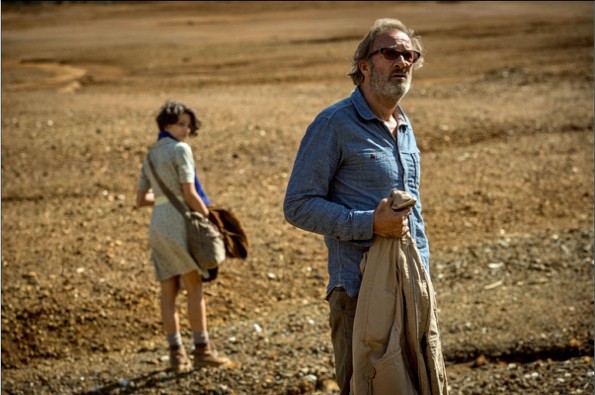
(373, 169)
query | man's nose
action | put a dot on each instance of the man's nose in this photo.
(401, 60)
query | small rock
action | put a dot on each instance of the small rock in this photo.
(480, 361)
(329, 386)
(574, 343)
(123, 382)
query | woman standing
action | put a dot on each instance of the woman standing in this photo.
(174, 163)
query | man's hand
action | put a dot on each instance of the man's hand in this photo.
(390, 223)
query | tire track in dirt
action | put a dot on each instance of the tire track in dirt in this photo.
(48, 75)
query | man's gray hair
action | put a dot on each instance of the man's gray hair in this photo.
(365, 46)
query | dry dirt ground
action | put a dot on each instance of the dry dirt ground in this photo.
(503, 113)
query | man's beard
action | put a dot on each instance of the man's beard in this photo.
(387, 89)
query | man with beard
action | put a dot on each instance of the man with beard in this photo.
(350, 158)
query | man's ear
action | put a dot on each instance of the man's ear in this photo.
(364, 67)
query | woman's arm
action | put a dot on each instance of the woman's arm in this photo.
(193, 200)
(145, 198)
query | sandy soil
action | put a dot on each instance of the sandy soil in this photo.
(503, 114)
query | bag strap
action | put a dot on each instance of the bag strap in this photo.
(172, 198)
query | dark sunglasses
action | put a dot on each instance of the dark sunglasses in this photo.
(392, 54)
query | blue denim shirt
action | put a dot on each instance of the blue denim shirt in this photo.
(347, 162)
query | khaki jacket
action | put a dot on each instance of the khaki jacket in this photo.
(396, 340)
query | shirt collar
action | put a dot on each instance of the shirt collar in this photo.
(402, 120)
(361, 106)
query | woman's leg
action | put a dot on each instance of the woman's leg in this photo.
(178, 359)
(197, 309)
(169, 315)
(204, 354)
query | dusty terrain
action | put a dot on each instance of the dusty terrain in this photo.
(503, 113)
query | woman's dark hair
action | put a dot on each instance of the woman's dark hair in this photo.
(170, 113)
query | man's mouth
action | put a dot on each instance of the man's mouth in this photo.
(399, 74)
